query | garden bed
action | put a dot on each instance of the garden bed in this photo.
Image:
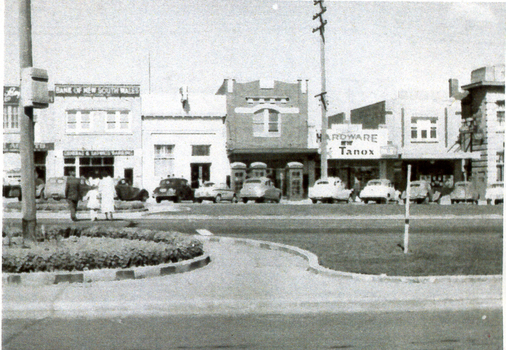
(61, 205)
(96, 247)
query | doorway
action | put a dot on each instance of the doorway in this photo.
(200, 172)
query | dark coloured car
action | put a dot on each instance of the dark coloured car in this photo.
(174, 189)
(126, 192)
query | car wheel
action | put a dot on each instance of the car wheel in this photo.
(245, 200)
(278, 199)
(259, 200)
(158, 200)
(314, 201)
(453, 201)
(234, 199)
(217, 199)
(177, 199)
(366, 201)
(144, 196)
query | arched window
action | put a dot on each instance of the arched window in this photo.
(266, 122)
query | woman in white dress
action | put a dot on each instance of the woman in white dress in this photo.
(107, 192)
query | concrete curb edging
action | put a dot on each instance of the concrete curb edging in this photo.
(316, 268)
(103, 275)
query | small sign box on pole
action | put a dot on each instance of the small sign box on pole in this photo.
(34, 87)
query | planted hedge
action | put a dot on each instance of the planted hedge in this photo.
(61, 205)
(97, 247)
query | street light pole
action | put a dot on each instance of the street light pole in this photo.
(321, 95)
(26, 127)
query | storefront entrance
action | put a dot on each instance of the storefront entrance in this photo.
(89, 167)
(200, 172)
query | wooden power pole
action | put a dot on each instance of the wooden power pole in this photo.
(26, 126)
(321, 95)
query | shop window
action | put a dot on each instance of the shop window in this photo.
(500, 166)
(500, 118)
(164, 160)
(424, 129)
(266, 123)
(201, 150)
(71, 120)
(111, 120)
(11, 117)
(118, 121)
(85, 120)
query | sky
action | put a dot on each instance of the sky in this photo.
(373, 50)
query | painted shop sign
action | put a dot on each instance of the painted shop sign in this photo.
(343, 143)
(14, 147)
(90, 90)
(83, 153)
(11, 95)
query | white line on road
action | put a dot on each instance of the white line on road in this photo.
(204, 232)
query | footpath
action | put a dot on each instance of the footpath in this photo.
(245, 276)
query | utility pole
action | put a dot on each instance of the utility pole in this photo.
(321, 95)
(26, 127)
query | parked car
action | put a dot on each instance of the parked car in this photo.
(12, 184)
(331, 190)
(260, 189)
(175, 189)
(421, 192)
(464, 191)
(214, 192)
(55, 187)
(126, 192)
(495, 193)
(380, 191)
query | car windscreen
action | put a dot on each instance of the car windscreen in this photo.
(170, 182)
(322, 183)
(374, 183)
(460, 185)
(256, 181)
(209, 184)
(415, 185)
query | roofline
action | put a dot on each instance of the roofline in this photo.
(483, 83)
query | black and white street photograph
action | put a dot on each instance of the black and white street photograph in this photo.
(253, 174)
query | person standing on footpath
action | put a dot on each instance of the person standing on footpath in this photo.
(93, 198)
(107, 192)
(73, 194)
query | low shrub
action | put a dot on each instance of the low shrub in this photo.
(78, 249)
(61, 205)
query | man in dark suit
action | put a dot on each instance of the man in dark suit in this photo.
(73, 194)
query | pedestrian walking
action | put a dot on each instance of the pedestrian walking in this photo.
(107, 192)
(73, 194)
(93, 198)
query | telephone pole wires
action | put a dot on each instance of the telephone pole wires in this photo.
(322, 94)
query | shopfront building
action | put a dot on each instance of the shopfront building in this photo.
(96, 131)
(183, 135)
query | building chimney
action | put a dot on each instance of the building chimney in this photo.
(454, 87)
(184, 98)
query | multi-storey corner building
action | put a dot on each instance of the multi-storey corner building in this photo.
(267, 122)
(184, 136)
(420, 129)
(44, 143)
(95, 129)
(483, 125)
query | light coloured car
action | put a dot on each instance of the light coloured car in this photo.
(379, 190)
(260, 189)
(55, 188)
(214, 192)
(331, 190)
(421, 192)
(495, 193)
(464, 191)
